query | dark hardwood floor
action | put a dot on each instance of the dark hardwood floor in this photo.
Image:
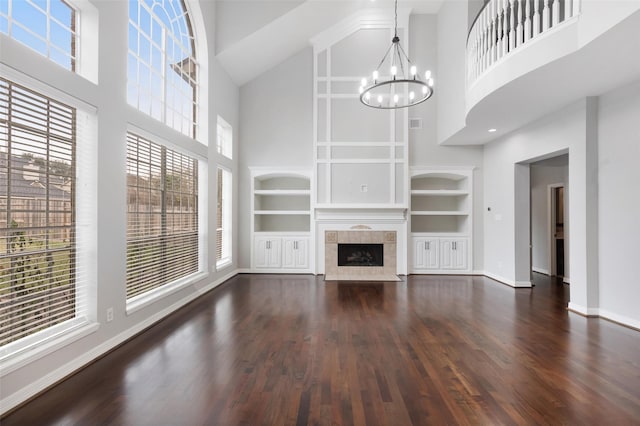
(282, 349)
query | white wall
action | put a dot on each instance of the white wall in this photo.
(559, 132)
(30, 376)
(450, 78)
(275, 130)
(541, 178)
(619, 204)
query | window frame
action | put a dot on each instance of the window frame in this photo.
(21, 352)
(224, 138)
(224, 217)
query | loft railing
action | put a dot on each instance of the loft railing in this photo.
(502, 26)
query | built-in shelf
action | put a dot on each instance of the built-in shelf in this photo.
(282, 212)
(281, 226)
(282, 192)
(441, 220)
(439, 192)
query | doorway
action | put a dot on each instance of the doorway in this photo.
(556, 230)
(548, 235)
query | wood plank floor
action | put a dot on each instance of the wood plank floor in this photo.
(282, 349)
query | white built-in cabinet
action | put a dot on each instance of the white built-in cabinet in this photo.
(281, 220)
(441, 219)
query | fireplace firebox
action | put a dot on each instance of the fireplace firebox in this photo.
(360, 254)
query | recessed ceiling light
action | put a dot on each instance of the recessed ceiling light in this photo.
(492, 130)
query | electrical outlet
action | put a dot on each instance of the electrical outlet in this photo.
(109, 314)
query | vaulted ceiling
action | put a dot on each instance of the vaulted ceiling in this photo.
(253, 36)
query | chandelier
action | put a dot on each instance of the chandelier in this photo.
(401, 89)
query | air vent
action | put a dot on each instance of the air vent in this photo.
(415, 123)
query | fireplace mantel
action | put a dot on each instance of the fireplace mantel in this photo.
(356, 213)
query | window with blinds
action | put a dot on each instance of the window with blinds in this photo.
(46, 26)
(223, 225)
(162, 216)
(38, 275)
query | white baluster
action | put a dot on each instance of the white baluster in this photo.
(545, 16)
(536, 17)
(527, 21)
(568, 9)
(476, 53)
(576, 7)
(520, 29)
(556, 12)
(492, 5)
(487, 41)
(512, 27)
(482, 42)
(505, 28)
(499, 13)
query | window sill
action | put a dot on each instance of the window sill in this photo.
(76, 330)
(223, 264)
(144, 300)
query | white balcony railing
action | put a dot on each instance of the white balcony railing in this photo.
(504, 25)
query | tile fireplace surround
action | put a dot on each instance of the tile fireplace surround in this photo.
(334, 272)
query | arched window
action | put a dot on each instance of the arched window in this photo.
(162, 68)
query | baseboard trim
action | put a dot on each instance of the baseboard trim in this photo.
(540, 271)
(583, 310)
(27, 393)
(507, 281)
(619, 319)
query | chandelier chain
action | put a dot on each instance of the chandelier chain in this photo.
(396, 20)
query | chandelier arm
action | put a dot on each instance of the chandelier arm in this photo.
(404, 53)
(400, 60)
(385, 56)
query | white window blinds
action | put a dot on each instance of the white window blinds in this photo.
(162, 215)
(39, 281)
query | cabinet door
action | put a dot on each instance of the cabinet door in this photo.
(419, 255)
(446, 254)
(302, 253)
(453, 254)
(294, 253)
(266, 252)
(460, 254)
(425, 253)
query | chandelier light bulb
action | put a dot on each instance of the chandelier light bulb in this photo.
(394, 70)
(395, 99)
(367, 95)
(411, 96)
(363, 83)
(430, 82)
(427, 74)
(361, 89)
(380, 99)
(424, 90)
(414, 70)
(375, 75)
